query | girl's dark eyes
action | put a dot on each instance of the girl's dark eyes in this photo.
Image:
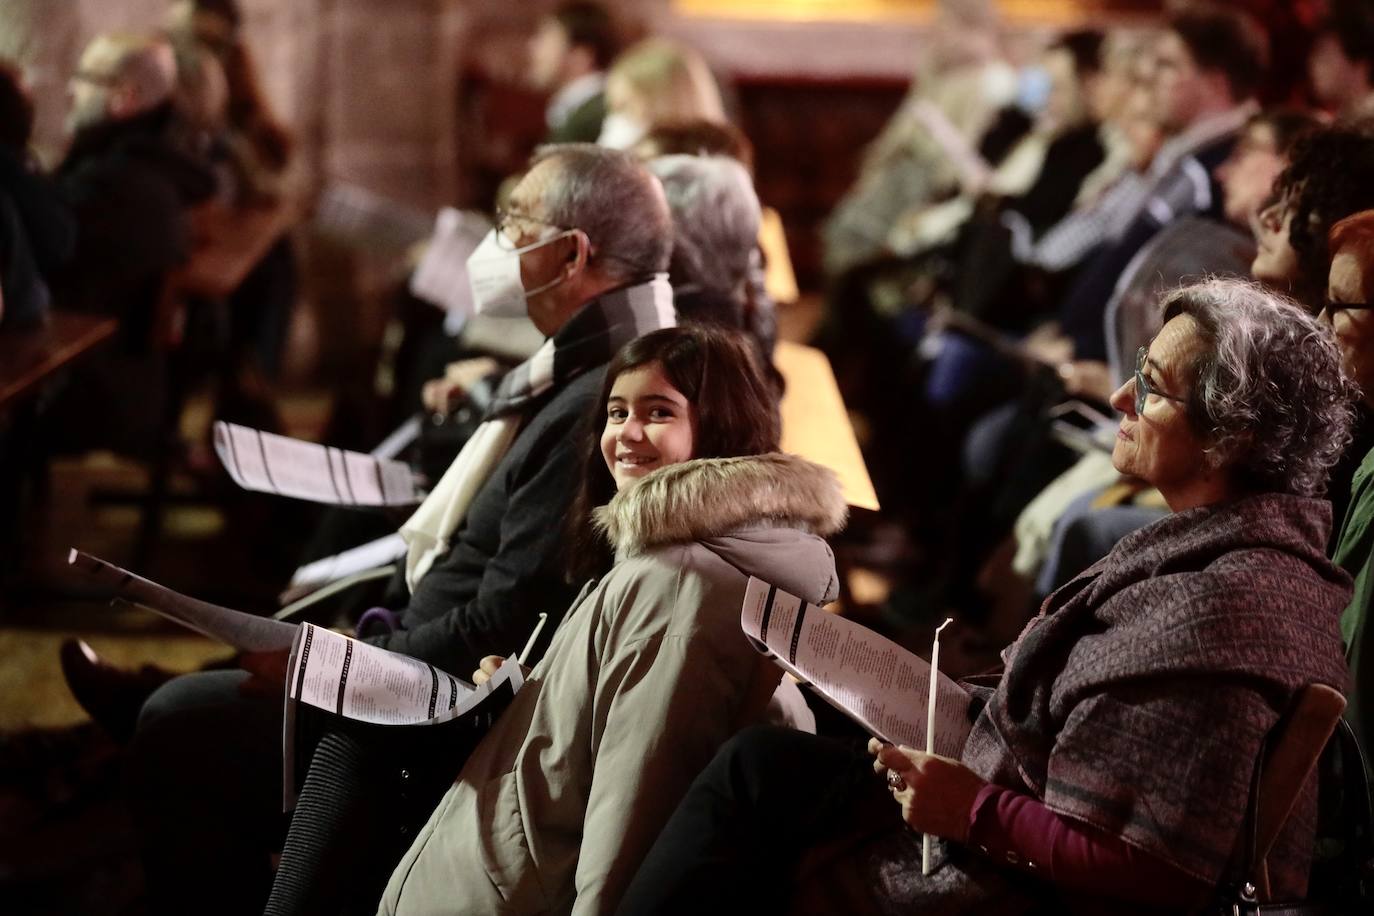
(656, 413)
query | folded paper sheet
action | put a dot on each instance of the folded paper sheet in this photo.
(246, 632)
(269, 463)
(868, 677)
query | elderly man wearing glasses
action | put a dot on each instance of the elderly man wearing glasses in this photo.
(582, 248)
(1111, 765)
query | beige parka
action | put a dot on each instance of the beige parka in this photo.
(648, 675)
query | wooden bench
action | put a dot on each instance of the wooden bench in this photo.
(31, 356)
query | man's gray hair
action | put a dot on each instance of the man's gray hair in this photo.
(715, 218)
(1268, 391)
(609, 195)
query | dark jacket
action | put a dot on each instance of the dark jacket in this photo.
(503, 570)
(583, 123)
(130, 188)
(37, 235)
(1190, 188)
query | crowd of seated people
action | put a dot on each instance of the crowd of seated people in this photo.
(1122, 224)
(168, 133)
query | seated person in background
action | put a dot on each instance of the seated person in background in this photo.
(1071, 524)
(581, 247)
(1347, 311)
(715, 239)
(1110, 769)
(1284, 258)
(1331, 176)
(131, 188)
(37, 232)
(1340, 67)
(1208, 64)
(569, 54)
(683, 497)
(771, 281)
(128, 184)
(657, 81)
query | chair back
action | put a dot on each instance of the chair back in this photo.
(1294, 746)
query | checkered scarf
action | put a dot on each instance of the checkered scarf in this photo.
(588, 341)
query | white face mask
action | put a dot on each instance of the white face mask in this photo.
(494, 275)
(620, 131)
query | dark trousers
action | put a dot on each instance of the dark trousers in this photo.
(205, 784)
(735, 841)
(368, 791)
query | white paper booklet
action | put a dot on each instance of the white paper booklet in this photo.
(868, 677)
(269, 463)
(442, 277)
(358, 559)
(366, 683)
(246, 632)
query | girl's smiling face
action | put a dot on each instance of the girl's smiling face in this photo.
(649, 424)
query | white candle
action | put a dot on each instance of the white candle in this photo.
(930, 727)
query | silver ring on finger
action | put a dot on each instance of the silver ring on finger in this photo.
(895, 780)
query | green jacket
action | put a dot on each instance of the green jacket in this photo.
(1355, 554)
(583, 124)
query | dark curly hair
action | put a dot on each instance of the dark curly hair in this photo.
(1330, 176)
(721, 376)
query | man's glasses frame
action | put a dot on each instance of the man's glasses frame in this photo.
(505, 217)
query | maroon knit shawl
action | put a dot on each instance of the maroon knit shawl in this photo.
(1137, 701)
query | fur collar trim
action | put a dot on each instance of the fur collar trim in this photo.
(709, 497)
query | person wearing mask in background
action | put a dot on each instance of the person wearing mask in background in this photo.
(657, 81)
(569, 54)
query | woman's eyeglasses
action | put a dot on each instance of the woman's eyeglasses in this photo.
(1142, 387)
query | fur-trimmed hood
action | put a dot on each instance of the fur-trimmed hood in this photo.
(708, 497)
(766, 515)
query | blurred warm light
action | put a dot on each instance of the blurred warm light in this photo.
(885, 10)
(803, 10)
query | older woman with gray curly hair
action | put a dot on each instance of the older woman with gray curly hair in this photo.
(1111, 764)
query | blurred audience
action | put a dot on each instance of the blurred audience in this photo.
(1046, 229)
(569, 53)
(1339, 67)
(37, 233)
(658, 81)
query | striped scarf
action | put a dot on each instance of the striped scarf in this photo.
(587, 341)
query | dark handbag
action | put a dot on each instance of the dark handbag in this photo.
(1341, 879)
(443, 436)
